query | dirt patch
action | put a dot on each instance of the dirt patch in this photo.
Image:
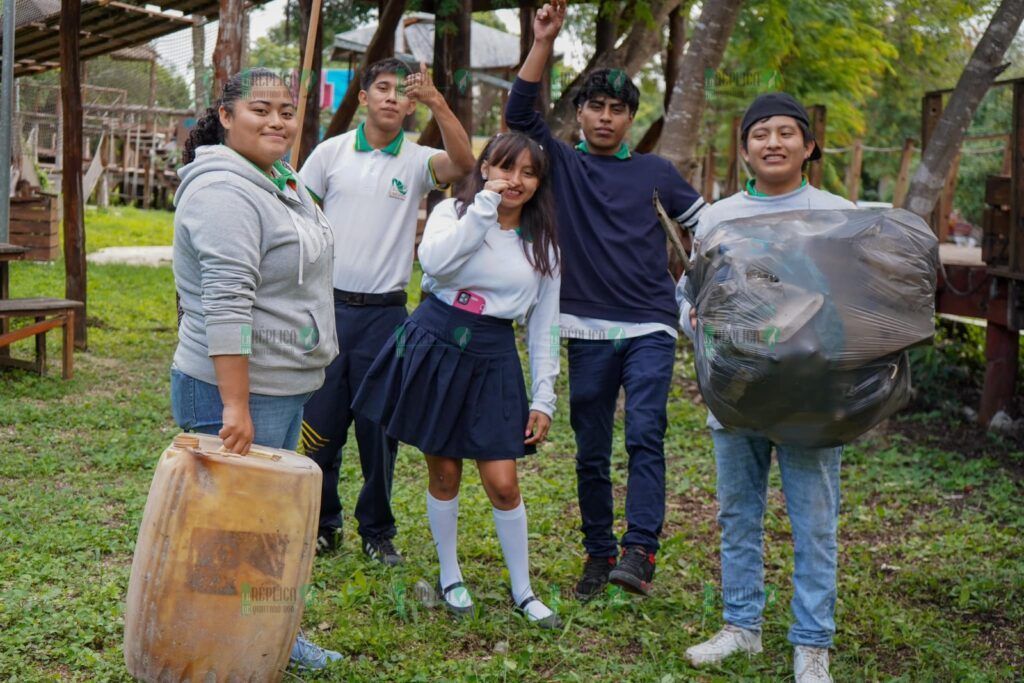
(956, 436)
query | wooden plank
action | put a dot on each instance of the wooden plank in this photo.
(1016, 246)
(33, 228)
(31, 330)
(49, 241)
(34, 212)
(43, 254)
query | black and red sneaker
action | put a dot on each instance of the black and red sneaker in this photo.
(595, 576)
(635, 570)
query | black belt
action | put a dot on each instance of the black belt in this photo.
(362, 299)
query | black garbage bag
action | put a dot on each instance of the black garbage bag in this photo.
(804, 319)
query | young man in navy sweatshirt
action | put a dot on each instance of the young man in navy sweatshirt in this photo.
(618, 308)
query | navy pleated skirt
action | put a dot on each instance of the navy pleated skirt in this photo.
(450, 383)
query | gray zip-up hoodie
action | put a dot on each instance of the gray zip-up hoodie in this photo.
(253, 267)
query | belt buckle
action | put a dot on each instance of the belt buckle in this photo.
(358, 299)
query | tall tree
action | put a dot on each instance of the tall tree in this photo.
(985, 64)
(704, 52)
(227, 56)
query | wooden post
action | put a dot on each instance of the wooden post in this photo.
(944, 206)
(708, 185)
(816, 172)
(854, 169)
(308, 113)
(903, 178)
(732, 178)
(1001, 366)
(71, 175)
(227, 56)
(931, 110)
(201, 87)
(150, 116)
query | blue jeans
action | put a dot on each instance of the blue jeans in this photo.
(197, 407)
(643, 367)
(810, 483)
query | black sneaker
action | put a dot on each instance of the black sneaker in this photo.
(635, 570)
(328, 540)
(595, 576)
(382, 550)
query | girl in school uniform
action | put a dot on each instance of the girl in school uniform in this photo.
(450, 381)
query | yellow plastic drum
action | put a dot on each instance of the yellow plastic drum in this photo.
(222, 564)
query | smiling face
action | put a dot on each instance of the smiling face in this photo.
(522, 176)
(605, 122)
(261, 125)
(386, 103)
(776, 150)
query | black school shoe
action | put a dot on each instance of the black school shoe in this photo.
(635, 570)
(460, 612)
(551, 621)
(595, 577)
(328, 540)
(382, 550)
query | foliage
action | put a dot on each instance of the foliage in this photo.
(931, 582)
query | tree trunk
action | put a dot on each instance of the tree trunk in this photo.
(641, 43)
(673, 57)
(382, 45)
(311, 117)
(227, 56)
(606, 28)
(71, 173)
(942, 146)
(682, 120)
(451, 69)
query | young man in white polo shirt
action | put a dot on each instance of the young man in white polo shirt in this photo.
(370, 182)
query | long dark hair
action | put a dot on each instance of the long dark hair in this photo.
(537, 227)
(208, 130)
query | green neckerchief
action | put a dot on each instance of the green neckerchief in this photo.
(623, 152)
(754, 192)
(363, 145)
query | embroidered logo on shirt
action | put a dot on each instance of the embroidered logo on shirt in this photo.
(397, 189)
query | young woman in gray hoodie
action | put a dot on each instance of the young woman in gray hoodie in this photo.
(253, 260)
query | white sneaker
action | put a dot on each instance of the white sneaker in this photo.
(729, 640)
(810, 664)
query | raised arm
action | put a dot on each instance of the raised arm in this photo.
(449, 241)
(520, 114)
(546, 25)
(457, 159)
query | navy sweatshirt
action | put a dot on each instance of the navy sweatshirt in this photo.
(614, 257)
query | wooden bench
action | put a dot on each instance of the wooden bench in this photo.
(48, 314)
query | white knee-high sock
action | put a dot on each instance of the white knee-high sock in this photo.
(444, 526)
(511, 526)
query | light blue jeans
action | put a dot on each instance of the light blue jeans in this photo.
(810, 483)
(196, 405)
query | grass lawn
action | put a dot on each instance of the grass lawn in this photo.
(931, 583)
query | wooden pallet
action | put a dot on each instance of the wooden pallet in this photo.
(35, 223)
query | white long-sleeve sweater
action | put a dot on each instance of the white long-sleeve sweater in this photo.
(473, 253)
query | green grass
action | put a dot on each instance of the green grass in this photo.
(931, 581)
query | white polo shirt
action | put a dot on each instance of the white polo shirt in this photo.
(372, 199)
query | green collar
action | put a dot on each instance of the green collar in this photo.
(623, 152)
(283, 175)
(363, 145)
(754, 192)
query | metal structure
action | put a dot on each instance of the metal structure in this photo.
(987, 282)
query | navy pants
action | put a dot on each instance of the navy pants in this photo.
(362, 332)
(643, 367)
